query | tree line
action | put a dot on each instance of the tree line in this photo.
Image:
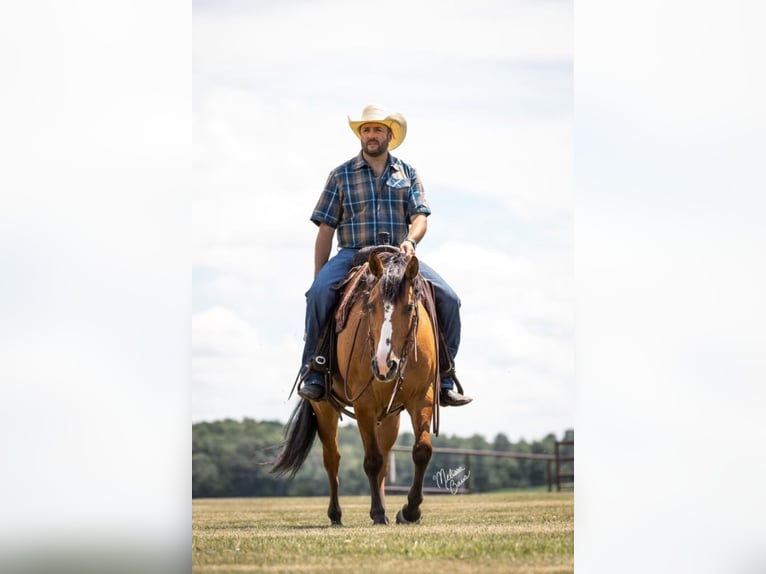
(233, 459)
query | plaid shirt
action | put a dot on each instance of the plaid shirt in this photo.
(359, 206)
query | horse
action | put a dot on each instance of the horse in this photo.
(387, 362)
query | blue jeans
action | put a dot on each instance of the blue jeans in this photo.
(321, 300)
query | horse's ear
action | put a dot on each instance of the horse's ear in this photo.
(412, 268)
(376, 267)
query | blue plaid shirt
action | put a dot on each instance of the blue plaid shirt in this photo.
(359, 206)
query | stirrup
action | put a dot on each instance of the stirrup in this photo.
(451, 374)
(317, 365)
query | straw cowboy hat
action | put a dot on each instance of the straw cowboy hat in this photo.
(375, 113)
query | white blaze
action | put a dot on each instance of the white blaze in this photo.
(384, 342)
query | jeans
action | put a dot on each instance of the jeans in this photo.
(321, 300)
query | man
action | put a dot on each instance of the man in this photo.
(371, 193)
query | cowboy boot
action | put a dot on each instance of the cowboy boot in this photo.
(312, 387)
(448, 396)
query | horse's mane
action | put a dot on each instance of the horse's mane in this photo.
(391, 281)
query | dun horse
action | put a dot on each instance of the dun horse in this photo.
(387, 360)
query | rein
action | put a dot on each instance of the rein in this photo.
(348, 364)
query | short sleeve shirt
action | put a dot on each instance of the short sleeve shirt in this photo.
(359, 205)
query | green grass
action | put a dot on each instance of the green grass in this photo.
(497, 532)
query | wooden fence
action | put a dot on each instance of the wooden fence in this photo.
(558, 466)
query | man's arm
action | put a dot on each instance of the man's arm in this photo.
(418, 227)
(323, 246)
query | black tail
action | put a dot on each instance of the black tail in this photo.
(300, 433)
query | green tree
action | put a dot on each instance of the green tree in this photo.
(205, 479)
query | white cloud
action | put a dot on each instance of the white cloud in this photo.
(517, 351)
(527, 165)
(238, 369)
(423, 32)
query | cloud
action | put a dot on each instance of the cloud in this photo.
(236, 368)
(517, 350)
(289, 35)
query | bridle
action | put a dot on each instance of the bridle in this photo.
(409, 343)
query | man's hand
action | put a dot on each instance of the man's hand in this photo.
(407, 247)
(418, 226)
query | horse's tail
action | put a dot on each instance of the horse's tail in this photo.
(300, 433)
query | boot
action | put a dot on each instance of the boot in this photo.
(449, 397)
(312, 385)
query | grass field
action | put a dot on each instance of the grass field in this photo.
(497, 532)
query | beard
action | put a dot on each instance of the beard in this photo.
(374, 150)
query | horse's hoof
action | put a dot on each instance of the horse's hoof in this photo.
(336, 523)
(382, 522)
(400, 519)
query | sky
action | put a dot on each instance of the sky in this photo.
(487, 92)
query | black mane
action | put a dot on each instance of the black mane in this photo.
(391, 283)
(392, 280)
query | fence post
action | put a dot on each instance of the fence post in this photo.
(468, 471)
(548, 476)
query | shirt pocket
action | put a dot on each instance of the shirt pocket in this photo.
(396, 181)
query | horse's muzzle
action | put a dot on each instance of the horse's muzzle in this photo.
(388, 372)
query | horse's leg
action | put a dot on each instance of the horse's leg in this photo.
(421, 455)
(374, 463)
(327, 418)
(387, 433)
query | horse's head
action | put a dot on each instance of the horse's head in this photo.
(392, 308)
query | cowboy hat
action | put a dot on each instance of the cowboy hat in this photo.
(374, 113)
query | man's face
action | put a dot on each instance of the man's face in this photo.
(375, 138)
